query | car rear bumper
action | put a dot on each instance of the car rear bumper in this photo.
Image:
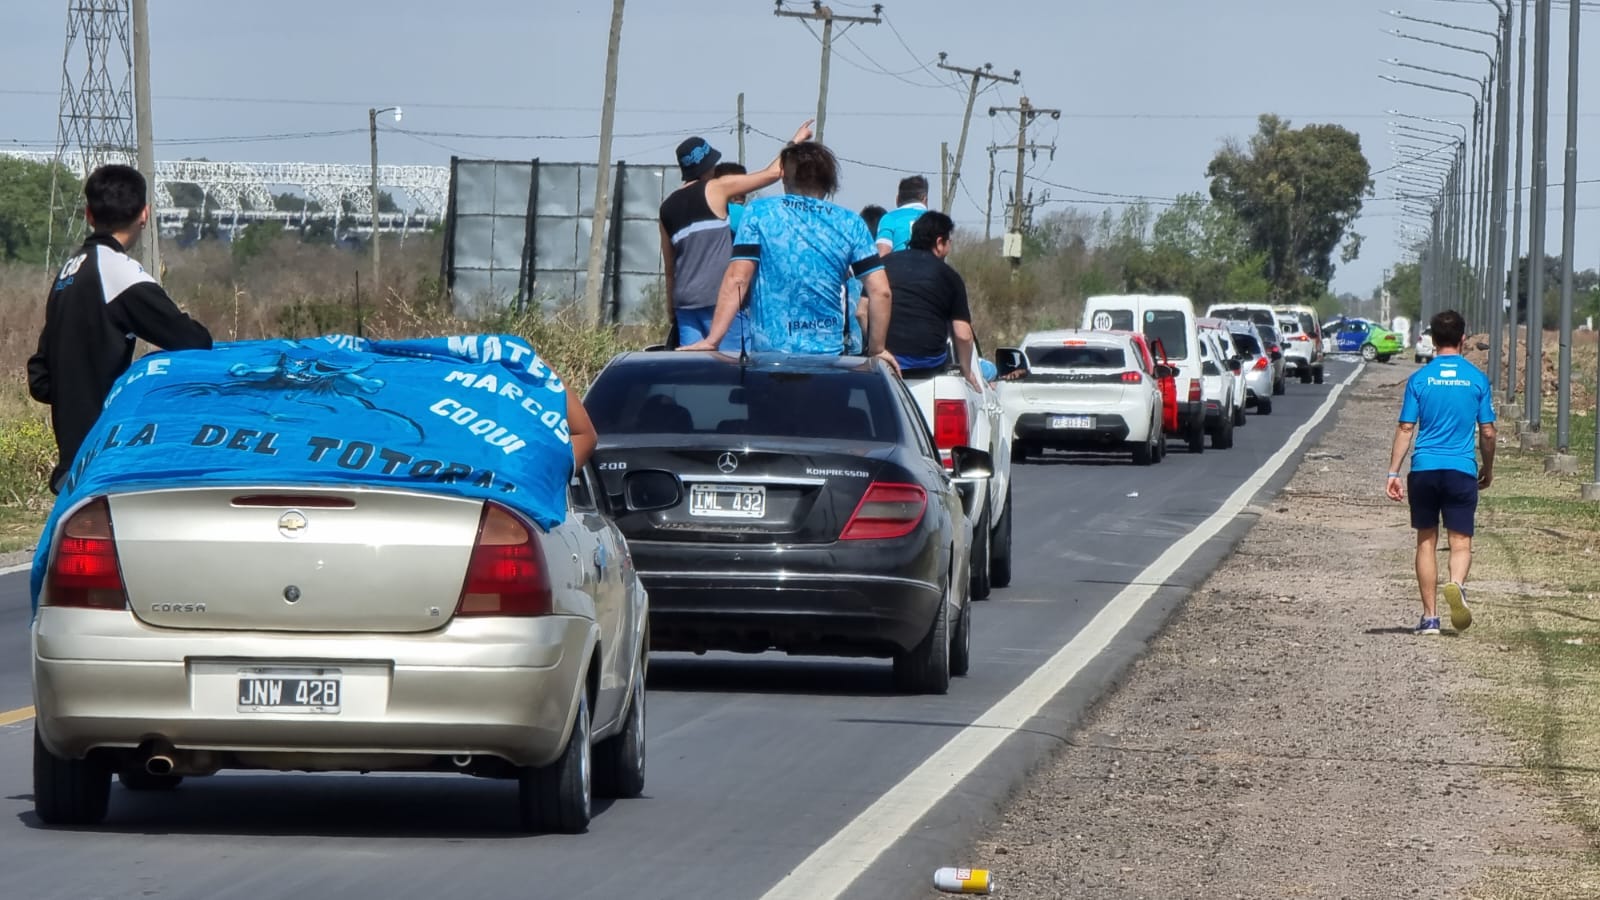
(827, 600)
(1108, 429)
(501, 687)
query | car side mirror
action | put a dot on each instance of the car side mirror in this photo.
(1235, 366)
(971, 463)
(1277, 355)
(1163, 370)
(651, 490)
(1009, 360)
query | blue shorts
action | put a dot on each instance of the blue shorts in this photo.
(695, 324)
(1446, 493)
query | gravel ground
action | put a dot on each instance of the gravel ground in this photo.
(1287, 736)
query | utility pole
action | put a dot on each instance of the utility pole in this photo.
(145, 128)
(741, 128)
(944, 174)
(1026, 113)
(1516, 214)
(987, 72)
(827, 17)
(602, 182)
(988, 209)
(1562, 461)
(1534, 371)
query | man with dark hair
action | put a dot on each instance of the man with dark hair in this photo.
(695, 235)
(101, 302)
(894, 230)
(1450, 409)
(930, 303)
(792, 257)
(871, 214)
(735, 201)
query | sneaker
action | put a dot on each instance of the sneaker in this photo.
(1427, 626)
(1456, 596)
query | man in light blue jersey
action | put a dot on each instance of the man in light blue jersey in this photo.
(791, 259)
(894, 229)
(1449, 407)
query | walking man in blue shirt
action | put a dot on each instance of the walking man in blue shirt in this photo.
(1449, 408)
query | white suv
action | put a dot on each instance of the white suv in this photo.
(1085, 390)
(1425, 349)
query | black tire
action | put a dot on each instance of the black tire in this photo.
(1000, 548)
(1316, 375)
(978, 586)
(961, 644)
(1143, 453)
(1385, 358)
(558, 797)
(1222, 438)
(1263, 406)
(1369, 352)
(1305, 375)
(1020, 451)
(1197, 435)
(69, 791)
(140, 780)
(1280, 387)
(619, 760)
(1238, 416)
(925, 668)
(1417, 359)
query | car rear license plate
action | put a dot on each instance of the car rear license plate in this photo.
(290, 690)
(728, 501)
(1072, 421)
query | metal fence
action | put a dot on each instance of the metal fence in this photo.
(517, 235)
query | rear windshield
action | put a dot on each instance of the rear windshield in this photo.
(1169, 327)
(1308, 323)
(1055, 356)
(726, 399)
(1247, 344)
(1111, 320)
(1289, 326)
(1258, 316)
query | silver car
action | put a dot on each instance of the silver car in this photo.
(1273, 341)
(188, 630)
(1256, 366)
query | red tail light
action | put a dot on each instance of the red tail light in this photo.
(1261, 362)
(506, 575)
(1132, 378)
(949, 426)
(1194, 390)
(886, 511)
(85, 572)
(1274, 349)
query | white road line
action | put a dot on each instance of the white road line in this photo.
(829, 871)
(12, 570)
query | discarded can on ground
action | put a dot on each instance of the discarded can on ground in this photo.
(963, 881)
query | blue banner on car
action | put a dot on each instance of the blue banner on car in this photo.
(479, 416)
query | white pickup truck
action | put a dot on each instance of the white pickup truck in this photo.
(960, 416)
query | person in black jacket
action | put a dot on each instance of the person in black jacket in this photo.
(101, 302)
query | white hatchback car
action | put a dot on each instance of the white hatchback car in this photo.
(1085, 390)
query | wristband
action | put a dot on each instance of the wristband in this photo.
(1394, 474)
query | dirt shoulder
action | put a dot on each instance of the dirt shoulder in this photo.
(1287, 736)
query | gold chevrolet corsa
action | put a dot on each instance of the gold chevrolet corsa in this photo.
(184, 631)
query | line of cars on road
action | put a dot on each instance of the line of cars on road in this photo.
(1143, 369)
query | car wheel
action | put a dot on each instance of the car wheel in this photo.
(961, 644)
(140, 780)
(619, 759)
(1143, 454)
(68, 791)
(979, 576)
(1197, 435)
(925, 668)
(1020, 451)
(1316, 375)
(1238, 416)
(1280, 386)
(1305, 375)
(1369, 352)
(1222, 438)
(558, 797)
(1263, 407)
(1384, 358)
(1000, 548)
(1417, 359)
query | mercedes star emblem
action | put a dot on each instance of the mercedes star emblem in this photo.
(727, 463)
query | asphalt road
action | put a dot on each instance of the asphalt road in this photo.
(754, 761)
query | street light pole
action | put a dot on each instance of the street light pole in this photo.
(372, 131)
(1497, 213)
(1537, 212)
(1516, 200)
(1563, 462)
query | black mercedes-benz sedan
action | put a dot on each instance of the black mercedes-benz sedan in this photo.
(812, 515)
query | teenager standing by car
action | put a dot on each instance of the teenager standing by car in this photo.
(101, 302)
(1449, 407)
(792, 257)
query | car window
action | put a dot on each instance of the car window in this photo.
(724, 398)
(1112, 320)
(1055, 356)
(1308, 323)
(1247, 344)
(1171, 328)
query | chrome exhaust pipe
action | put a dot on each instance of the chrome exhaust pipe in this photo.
(159, 755)
(462, 760)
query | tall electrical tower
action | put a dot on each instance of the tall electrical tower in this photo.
(96, 116)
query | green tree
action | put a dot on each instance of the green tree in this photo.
(25, 208)
(1405, 290)
(254, 240)
(1297, 191)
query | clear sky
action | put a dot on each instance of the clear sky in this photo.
(1148, 88)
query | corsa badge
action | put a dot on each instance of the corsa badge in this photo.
(292, 523)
